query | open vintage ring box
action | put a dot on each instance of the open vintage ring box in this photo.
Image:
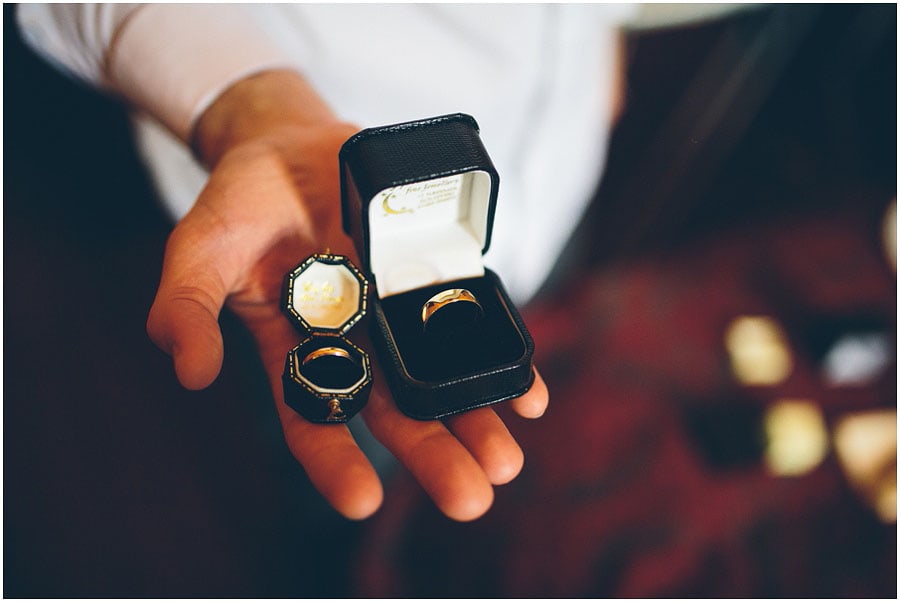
(326, 378)
(418, 200)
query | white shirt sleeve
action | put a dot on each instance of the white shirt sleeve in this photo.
(537, 77)
(74, 37)
(171, 60)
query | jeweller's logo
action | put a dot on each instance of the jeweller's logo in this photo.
(438, 195)
(388, 209)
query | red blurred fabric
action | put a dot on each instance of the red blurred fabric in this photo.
(620, 496)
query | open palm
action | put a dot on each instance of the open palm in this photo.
(269, 203)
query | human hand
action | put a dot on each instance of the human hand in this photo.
(272, 199)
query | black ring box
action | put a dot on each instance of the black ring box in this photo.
(418, 200)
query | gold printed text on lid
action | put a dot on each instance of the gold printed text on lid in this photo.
(441, 195)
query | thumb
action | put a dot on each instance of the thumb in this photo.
(183, 320)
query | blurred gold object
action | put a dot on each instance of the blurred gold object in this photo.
(758, 350)
(866, 447)
(796, 437)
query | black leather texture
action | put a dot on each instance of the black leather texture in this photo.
(474, 364)
(434, 378)
(379, 158)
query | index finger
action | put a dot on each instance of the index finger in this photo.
(333, 461)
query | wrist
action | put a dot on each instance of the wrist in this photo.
(268, 108)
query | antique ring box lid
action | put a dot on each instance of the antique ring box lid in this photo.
(326, 378)
(418, 199)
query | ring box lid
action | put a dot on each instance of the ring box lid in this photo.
(326, 294)
(419, 200)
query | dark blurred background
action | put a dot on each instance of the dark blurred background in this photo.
(741, 216)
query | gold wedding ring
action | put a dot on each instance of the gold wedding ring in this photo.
(326, 352)
(445, 298)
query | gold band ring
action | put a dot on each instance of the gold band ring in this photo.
(445, 298)
(326, 352)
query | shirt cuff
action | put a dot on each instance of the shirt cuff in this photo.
(174, 60)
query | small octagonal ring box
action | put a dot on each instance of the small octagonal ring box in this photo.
(326, 378)
(418, 199)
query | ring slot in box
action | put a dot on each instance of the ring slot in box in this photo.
(418, 199)
(326, 377)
